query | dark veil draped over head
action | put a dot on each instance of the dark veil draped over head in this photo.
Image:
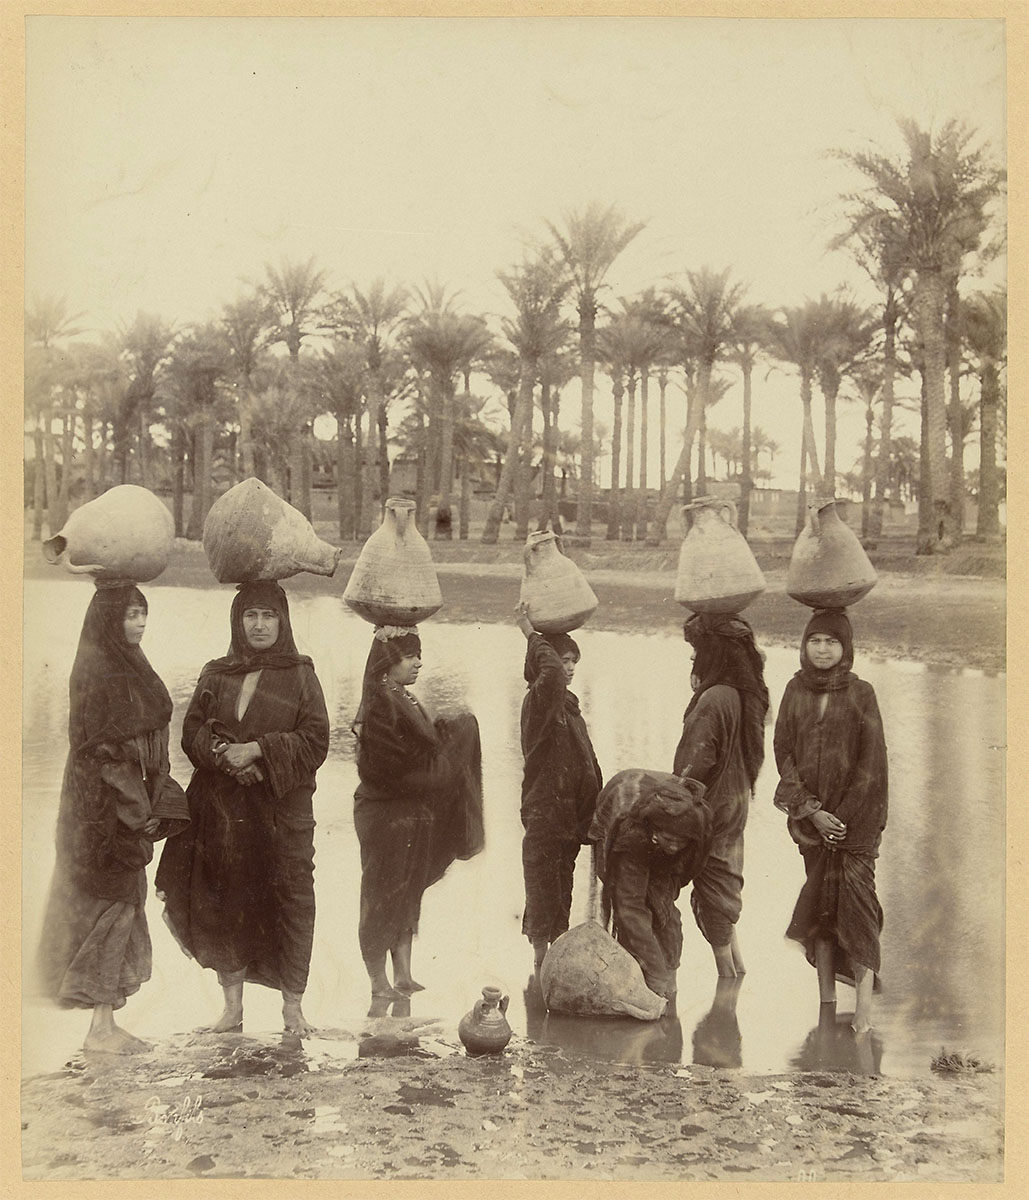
(242, 657)
(836, 623)
(726, 653)
(111, 678)
(390, 644)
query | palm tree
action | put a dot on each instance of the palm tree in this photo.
(145, 348)
(537, 288)
(245, 324)
(935, 208)
(845, 333)
(748, 330)
(291, 291)
(590, 242)
(704, 311)
(867, 378)
(615, 350)
(792, 336)
(985, 330)
(340, 376)
(372, 318)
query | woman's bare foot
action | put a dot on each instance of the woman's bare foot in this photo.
(407, 986)
(540, 946)
(294, 1020)
(114, 1040)
(725, 962)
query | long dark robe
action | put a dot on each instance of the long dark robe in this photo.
(835, 761)
(417, 808)
(95, 945)
(641, 881)
(711, 748)
(560, 785)
(239, 886)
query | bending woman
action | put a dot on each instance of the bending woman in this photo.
(239, 890)
(417, 808)
(833, 785)
(723, 746)
(651, 834)
(116, 800)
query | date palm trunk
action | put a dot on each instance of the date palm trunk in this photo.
(955, 409)
(928, 311)
(588, 353)
(882, 466)
(746, 475)
(681, 471)
(614, 512)
(641, 506)
(988, 520)
(522, 415)
(345, 476)
(629, 508)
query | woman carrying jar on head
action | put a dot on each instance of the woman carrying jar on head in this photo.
(417, 808)
(239, 890)
(117, 799)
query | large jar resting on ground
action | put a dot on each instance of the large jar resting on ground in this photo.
(127, 533)
(554, 590)
(587, 972)
(394, 580)
(829, 567)
(252, 533)
(717, 573)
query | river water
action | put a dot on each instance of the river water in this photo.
(940, 874)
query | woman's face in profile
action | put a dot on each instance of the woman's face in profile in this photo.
(261, 627)
(135, 624)
(406, 671)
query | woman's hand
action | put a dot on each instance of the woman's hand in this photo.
(831, 829)
(236, 755)
(248, 775)
(521, 617)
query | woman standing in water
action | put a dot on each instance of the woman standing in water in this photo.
(239, 889)
(117, 798)
(831, 754)
(417, 808)
(560, 783)
(723, 746)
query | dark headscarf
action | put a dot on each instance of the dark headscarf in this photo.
(390, 644)
(561, 643)
(112, 678)
(726, 653)
(242, 657)
(836, 623)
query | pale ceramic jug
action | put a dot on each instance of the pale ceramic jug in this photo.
(717, 573)
(829, 567)
(127, 533)
(554, 590)
(394, 581)
(252, 533)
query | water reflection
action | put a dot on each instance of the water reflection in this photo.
(834, 1046)
(940, 876)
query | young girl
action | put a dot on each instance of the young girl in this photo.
(831, 755)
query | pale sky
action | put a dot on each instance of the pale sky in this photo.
(169, 159)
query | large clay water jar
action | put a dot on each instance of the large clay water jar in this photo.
(718, 573)
(586, 972)
(394, 581)
(484, 1030)
(554, 590)
(127, 533)
(251, 533)
(828, 567)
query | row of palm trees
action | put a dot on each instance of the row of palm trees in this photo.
(251, 384)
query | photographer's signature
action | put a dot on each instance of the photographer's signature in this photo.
(188, 1110)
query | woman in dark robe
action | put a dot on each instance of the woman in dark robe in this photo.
(651, 833)
(117, 798)
(723, 746)
(831, 753)
(560, 783)
(239, 888)
(417, 808)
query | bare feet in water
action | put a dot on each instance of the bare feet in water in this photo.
(407, 986)
(231, 1021)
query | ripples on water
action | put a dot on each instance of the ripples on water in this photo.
(940, 875)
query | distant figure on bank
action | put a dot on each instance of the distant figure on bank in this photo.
(417, 808)
(831, 754)
(239, 888)
(723, 746)
(560, 783)
(117, 799)
(651, 833)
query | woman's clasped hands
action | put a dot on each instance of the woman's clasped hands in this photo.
(239, 759)
(831, 829)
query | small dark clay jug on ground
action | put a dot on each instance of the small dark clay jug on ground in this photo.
(484, 1030)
